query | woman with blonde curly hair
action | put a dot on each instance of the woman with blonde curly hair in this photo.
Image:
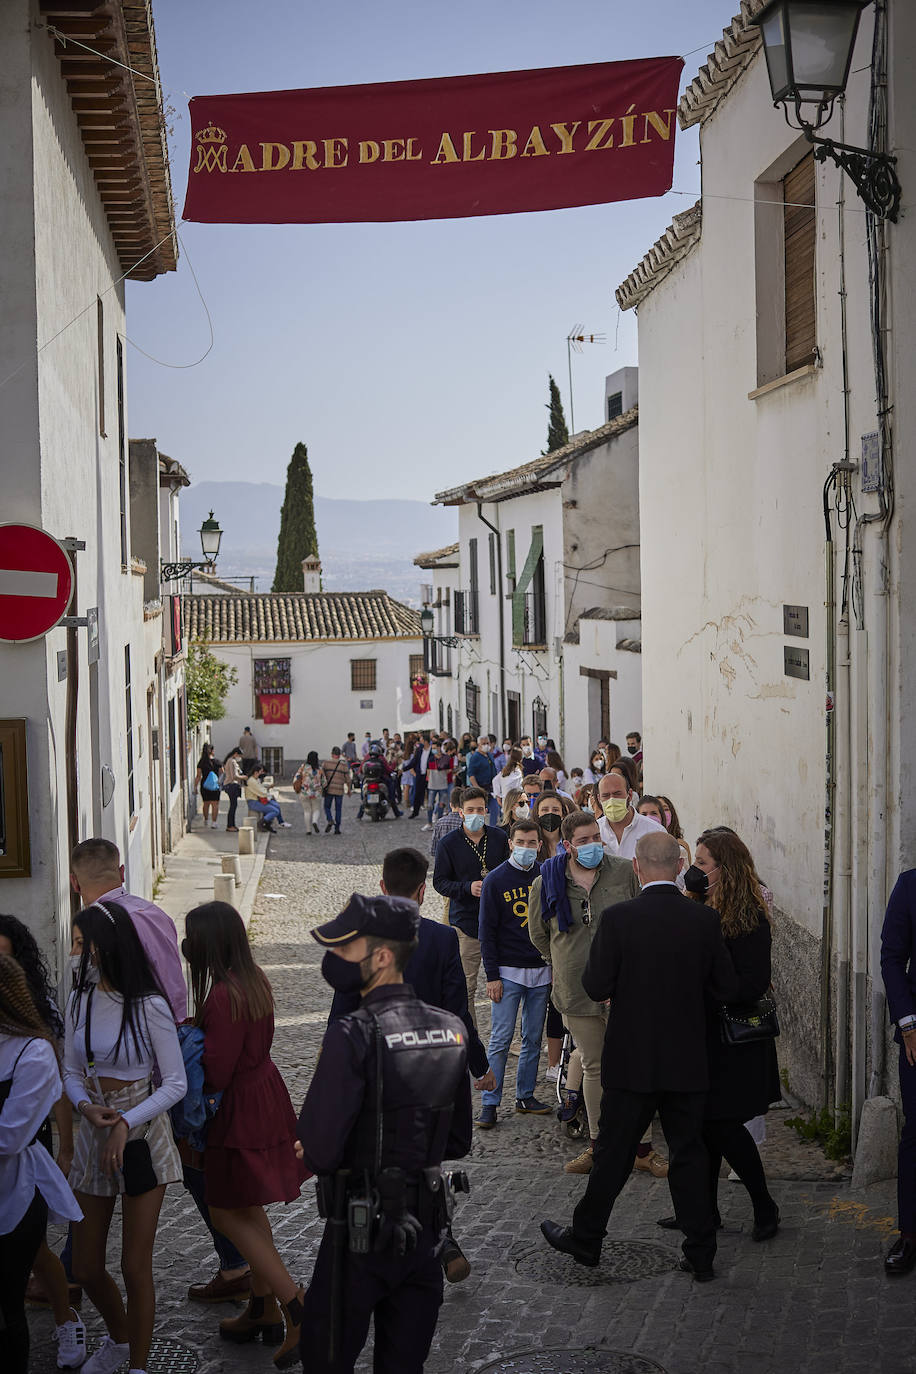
(743, 1079)
(514, 808)
(32, 1187)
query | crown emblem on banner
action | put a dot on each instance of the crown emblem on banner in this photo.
(211, 149)
(211, 134)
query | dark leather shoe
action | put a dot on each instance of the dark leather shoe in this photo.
(766, 1228)
(563, 1239)
(219, 1289)
(699, 1275)
(901, 1257)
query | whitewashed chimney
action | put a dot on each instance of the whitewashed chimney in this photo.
(311, 573)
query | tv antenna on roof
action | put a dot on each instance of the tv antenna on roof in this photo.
(576, 337)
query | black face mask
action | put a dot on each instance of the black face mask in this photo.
(550, 822)
(341, 974)
(696, 881)
(632, 748)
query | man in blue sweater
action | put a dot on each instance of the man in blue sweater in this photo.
(481, 772)
(516, 974)
(464, 857)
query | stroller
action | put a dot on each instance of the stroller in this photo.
(571, 1108)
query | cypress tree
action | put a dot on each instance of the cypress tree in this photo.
(298, 538)
(557, 433)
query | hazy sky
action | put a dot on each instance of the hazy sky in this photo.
(407, 356)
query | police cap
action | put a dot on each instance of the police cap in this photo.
(389, 918)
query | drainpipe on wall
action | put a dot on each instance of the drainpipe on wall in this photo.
(842, 884)
(878, 818)
(859, 950)
(827, 920)
(502, 620)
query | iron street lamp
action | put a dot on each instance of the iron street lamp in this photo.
(210, 536)
(427, 620)
(808, 45)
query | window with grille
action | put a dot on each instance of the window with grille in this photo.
(122, 446)
(615, 405)
(450, 720)
(492, 551)
(173, 746)
(472, 706)
(363, 674)
(417, 665)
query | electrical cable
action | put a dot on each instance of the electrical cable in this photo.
(208, 349)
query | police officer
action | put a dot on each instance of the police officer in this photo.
(389, 1100)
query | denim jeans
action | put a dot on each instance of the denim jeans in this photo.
(229, 1257)
(503, 1015)
(268, 811)
(435, 804)
(338, 808)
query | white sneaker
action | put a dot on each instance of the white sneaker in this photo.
(552, 1075)
(286, 825)
(213, 825)
(426, 827)
(71, 1342)
(108, 1358)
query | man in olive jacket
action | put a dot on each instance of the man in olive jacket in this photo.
(565, 908)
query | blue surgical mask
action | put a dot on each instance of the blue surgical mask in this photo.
(589, 855)
(523, 857)
(474, 823)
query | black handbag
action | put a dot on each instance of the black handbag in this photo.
(745, 1023)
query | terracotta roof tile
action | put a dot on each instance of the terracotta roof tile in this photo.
(730, 57)
(439, 558)
(664, 255)
(297, 617)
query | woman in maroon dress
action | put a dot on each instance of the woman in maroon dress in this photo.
(249, 1158)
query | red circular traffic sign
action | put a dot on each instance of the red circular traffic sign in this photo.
(36, 582)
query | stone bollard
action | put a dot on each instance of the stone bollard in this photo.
(233, 864)
(246, 839)
(876, 1148)
(224, 888)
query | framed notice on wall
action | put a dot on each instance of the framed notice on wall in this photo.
(15, 859)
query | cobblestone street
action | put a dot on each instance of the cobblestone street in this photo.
(812, 1301)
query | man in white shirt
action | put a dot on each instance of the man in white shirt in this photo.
(621, 825)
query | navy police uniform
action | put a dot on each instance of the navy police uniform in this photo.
(411, 1058)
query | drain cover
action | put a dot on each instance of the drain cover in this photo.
(171, 1357)
(621, 1262)
(592, 1360)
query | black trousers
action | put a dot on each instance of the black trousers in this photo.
(17, 1251)
(906, 1153)
(233, 791)
(733, 1142)
(624, 1118)
(419, 794)
(402, 1295)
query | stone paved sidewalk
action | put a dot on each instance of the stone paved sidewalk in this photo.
(814, 1300)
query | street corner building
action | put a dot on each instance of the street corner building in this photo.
(311, 666)
(777, 422)
(87, 205)
(536, 608)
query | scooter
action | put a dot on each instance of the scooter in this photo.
(374, 797)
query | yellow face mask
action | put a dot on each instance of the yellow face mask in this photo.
(615, 808)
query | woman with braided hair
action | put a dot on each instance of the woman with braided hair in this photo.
(32, 1187)
(50, 1284)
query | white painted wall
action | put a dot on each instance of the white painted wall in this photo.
(323, 708)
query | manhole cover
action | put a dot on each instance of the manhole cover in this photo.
(592, 1360)
(621, 1262)
(171, 1357)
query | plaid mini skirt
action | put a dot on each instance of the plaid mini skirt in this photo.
(86, 1175)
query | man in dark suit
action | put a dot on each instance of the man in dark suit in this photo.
(434, 972)
(898, 968)
(657, 958)
(419, 762)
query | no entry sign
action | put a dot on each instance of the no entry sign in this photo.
(36, 582)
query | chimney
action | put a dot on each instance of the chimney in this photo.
(311, 573)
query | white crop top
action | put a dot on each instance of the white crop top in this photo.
(158, 1044)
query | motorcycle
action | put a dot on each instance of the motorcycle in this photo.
(374, 797)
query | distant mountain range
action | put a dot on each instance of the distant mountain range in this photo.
(362, 544)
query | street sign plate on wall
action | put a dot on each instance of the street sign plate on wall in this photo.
(36, 582)
(795, 663)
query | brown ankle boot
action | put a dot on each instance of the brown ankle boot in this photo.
(288, 1354)
(262, 1317)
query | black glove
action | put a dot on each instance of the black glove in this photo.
(400, 1234)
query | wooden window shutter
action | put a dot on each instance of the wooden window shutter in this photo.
(800, 234)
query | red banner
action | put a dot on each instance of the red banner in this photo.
(274, 708)
(439, 149)
(420, 694)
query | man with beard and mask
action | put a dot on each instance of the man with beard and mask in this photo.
(389, 1100)
(434, 972)
(516, 974)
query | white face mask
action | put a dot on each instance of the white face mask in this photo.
(522, 812)
(92, 972)
(526, 750)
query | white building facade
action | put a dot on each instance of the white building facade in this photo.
(340, 661)
(777, 491)
(74, 133)
(544, 549)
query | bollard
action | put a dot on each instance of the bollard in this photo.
(233, 864)
(246, 839)
(224, 888)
